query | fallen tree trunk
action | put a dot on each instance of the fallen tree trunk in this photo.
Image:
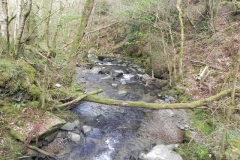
(79, 98)
(142, 104)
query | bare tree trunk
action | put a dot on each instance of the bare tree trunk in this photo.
(21, 29)
(174, 55)
(4, 22)
(182, 38)
(232, 103)
(77, 40)
(18, 19)
(211, 11)
(46, 73)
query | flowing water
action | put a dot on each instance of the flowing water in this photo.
(122, 133)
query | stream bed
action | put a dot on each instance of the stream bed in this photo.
(110, 132)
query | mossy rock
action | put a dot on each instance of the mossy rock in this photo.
(67, 116)
(34, 92)
(48, 124)
(4, 78)
(18, 79)
(30, 71)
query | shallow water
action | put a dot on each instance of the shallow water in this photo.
(120, 133)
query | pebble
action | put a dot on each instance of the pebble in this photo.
(68, 126)
(86, 129)
(74, 137)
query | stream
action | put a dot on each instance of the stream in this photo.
(110, 132)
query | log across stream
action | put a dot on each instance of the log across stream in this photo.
(123, 121)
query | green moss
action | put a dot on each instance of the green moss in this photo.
(34, 92)
(16, 135)
(4, 78)
(193, 151)
(75, 87)
(182, 96)
(203, 127)
(58, 93)
(34, 104)
(12, 147)
(202, 121)
(30, 71)
(187, 136)
(202, 152)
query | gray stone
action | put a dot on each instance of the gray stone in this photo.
(107, 77)
(122, 92)
(117, 73)
(51, 137)
(114, 84)
(74, 137)
(95, 70)
(86, 129)
(161, 152)
(76, 122)
(68, 126)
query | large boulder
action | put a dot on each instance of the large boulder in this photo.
(161, 152)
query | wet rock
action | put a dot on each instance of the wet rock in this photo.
(76, 122)
(114, 84)
(107, 77)
(140, 70)
(62, 134)
(143, 77)
(95, 70)
(117, 73)
(160, 101)
(122, 92)
(56, 146)
(74, 137)
(51, 137)
(86, 129)
(104, 70)
(170, 99)
(68, 126)
(161, 152)
(92, 57)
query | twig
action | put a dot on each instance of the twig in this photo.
(42, 151)
(92, 32)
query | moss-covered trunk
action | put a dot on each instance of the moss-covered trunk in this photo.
(69, 71)
(142, 104)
